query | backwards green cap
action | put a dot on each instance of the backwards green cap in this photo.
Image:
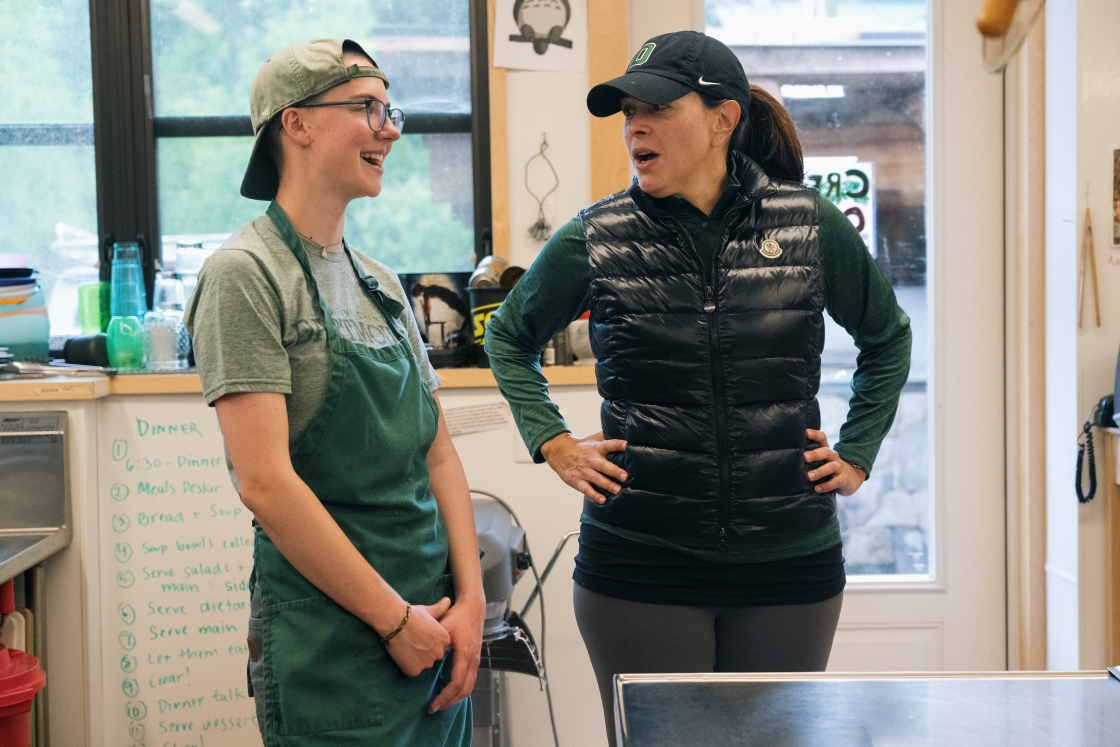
(292, 75)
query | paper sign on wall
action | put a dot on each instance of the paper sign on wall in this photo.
(850, 185)
(467, 419)
(541, 35)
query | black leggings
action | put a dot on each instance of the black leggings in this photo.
(632, 637)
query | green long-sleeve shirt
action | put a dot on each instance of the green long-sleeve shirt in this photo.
(557, 290)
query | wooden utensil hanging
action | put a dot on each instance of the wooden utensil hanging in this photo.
(1088, 266)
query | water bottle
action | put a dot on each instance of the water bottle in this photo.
(128, 302)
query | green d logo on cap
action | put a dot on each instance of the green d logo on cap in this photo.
(643, 54)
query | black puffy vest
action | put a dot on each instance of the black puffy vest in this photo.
(711, 381)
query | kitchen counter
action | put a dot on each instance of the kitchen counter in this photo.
(71, 387)
(110, 454)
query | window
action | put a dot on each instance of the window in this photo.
(48, 200)
(205, 54)
(124, 120)
(852, 74)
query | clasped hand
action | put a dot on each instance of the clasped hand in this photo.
(431, 631)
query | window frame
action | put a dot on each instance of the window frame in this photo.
(125, 130)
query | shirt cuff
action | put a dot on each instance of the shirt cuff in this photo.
(855, 458)
(535, 449)
(241, 386)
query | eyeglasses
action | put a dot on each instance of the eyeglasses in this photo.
(375, 110)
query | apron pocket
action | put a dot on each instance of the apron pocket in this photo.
(256, 667)
(323, 663)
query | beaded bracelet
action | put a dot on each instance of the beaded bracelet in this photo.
(407, 614)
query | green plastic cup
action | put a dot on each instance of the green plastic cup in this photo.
(93, 307)
(125, 340)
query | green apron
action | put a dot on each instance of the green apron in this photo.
(327, 678)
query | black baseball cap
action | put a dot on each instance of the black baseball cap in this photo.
(672, 65)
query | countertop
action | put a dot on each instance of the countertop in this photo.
(53, 388)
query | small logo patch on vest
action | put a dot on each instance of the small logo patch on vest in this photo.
(770, 249)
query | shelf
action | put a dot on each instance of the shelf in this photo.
(166, 383)
(95, 387)
(461, 378)
(54, 388)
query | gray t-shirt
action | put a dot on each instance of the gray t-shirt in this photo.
(256, 326)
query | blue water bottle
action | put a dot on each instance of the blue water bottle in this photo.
(128, 302)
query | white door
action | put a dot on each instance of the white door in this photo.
(893, 91)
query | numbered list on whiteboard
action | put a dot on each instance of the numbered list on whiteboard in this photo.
(176, 559)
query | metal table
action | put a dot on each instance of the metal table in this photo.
(958, 709)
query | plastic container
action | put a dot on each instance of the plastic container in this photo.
(127, 294)
(484, 302)
(87, 350)
(188, 263)
(128, 303)
(21, 679)
(124, 341)
(25, 327)
(93, 307)
(166, 341)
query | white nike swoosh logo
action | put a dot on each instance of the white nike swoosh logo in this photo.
(706, 83)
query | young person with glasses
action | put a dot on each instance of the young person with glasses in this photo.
(709, 537)
(366, 592)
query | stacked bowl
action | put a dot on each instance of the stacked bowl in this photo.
(24, 325)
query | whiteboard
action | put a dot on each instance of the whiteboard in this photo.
(175, 556)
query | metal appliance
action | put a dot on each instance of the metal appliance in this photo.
(34, 515)
(507, 643)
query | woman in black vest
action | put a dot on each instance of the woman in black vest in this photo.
(709, 539)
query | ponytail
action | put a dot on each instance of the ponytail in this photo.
(768, 137)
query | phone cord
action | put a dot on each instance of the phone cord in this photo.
(1085, 446)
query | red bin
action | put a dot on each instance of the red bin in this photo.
(21, 678)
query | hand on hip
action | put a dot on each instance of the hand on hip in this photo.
(582, 463)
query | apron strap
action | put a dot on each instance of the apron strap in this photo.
(389, 307)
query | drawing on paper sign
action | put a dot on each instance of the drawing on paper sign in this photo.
(542, 22)
(541, 35)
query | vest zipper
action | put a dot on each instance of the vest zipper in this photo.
(723, 448)
(711, 308)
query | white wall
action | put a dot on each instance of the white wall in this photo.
(1098, 133)
(649, 18)
(1082, 111)
(498, 462)
(552, 102)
